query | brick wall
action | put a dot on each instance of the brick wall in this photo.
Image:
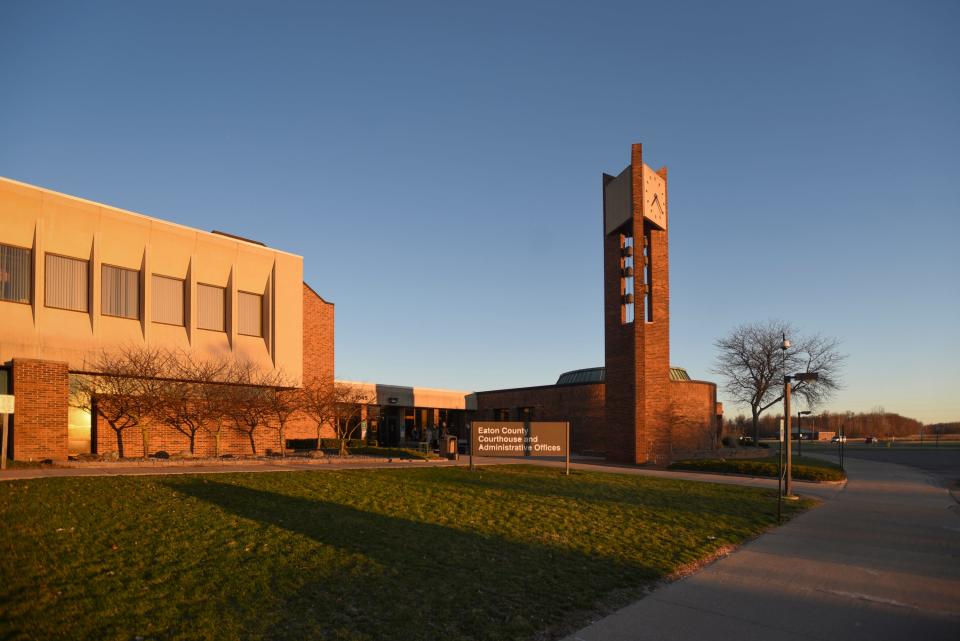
(620, 357)
(693, 416)
(581, 405)
(42, 391)
(165, 438)
(655, 363)
(318, 343)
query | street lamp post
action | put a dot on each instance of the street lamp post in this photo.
(802, 377)
(800, 432)
(784, 433)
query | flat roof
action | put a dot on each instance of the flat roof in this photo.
(212, 234)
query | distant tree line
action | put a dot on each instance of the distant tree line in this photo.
(137, 388)
(877, 422)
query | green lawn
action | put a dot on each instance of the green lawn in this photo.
(804, 468)
(514, 552)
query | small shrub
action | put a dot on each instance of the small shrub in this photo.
(392, 452)
(761, 467)
(727, 441)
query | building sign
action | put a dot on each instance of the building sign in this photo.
(515, 438)
(6, 404)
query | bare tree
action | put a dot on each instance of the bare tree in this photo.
(214, 390)
(283, 402)
(247, 403)
(337, 405)
(184, 393)
(121, 389)
(752, 364)
(318, 405)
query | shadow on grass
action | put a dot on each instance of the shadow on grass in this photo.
(404, 579)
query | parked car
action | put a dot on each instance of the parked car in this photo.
(839, 439)
(870, 439)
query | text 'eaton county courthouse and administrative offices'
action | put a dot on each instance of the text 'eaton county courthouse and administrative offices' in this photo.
(78, 278)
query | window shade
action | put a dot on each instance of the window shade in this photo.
(16, 268)
(250, 314)
(120, 292)
(210, 307)
(167, 300)
(66, 283)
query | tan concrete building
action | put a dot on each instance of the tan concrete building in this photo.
(78, 278)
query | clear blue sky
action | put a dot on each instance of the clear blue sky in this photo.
(438, 166)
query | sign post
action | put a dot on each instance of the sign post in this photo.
(470, 430)
(6, 408)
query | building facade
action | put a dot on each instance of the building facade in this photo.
(78, 278)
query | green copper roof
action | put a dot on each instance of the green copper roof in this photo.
(599, 375)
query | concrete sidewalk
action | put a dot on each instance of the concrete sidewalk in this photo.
(880, 560)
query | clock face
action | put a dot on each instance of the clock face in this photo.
(654, 198)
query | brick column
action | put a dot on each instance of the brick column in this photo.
(637, 353)
(42, 391)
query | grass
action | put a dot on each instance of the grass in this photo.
(513, 552)
(805, 469)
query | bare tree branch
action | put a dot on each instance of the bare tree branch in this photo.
(752, 364)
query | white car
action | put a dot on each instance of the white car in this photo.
(839, 439)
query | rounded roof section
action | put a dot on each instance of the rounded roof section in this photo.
(580, 376)
(599, 375)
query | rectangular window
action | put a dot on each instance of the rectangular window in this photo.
(211, 307)
(627, 309)
(66, 283)
(167, 300)
(16, 269)
(249, 314)
(120, 292)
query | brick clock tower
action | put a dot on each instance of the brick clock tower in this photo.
(636, 272)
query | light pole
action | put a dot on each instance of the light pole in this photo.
(800, 432)
(801, 377)
(783, 366)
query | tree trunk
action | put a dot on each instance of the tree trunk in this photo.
(193, 439)
(216, 441)
(283, 449)
(253, 445)
(145, 434)
(119, 441)
(756, 427)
